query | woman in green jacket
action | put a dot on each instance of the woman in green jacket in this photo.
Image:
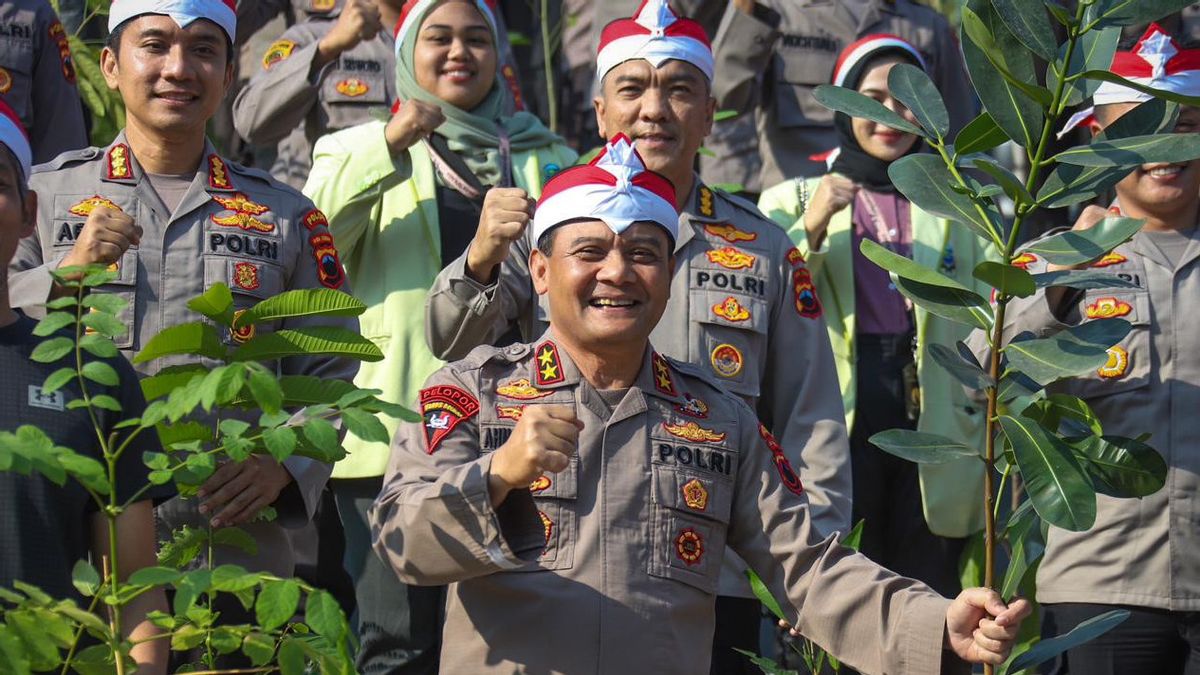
(404, 198)
(879, 339)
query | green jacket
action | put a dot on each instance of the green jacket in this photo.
(382, 212)
(951, 492)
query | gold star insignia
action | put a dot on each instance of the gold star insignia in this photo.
(546, 358)
(549, 372)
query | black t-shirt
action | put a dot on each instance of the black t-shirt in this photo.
(458, 218)
(45, 529)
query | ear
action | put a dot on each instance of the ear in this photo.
(230, 73)
(598, 104)
(109, 67)
(539, 270)
(29, 214)
(1095, 128)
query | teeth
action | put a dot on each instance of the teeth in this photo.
(1165, 171)
(607, 302)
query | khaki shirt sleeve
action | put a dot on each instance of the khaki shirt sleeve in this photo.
(278, 98)
(58, 124)
(866, 616)
(433, 521)
(29, 280)
(461, 313)
(742, 50)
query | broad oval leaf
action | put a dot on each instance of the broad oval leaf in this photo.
(958, 305)
(1026, 19)
(921, 447)
(855, 104)
(1006, 279)
(216, 303)
(1082, 279)
(1134, 151)
(196, 338)
(926, 181)
(155, 576)
(1069, 352)
(49, 351)
(304, 302)
(323, 614)
(308, 341)
(912, 87)
(980, 135)
(967, 372)
(1053, 479)
(85, 578)
(1121, 467)
(1024, 535)
(171, 378)
(365, 426)
(276, 603)
(1087, 631)
(1094, 50)
(1019, 115)
(1013, 187)
(1136, 12)
(1075, 247)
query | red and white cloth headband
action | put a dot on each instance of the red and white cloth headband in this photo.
(12, 135)
(1155, 61)
(615, 187)
(866, 47)
(221, 12)
(656, 34)
(413, 10)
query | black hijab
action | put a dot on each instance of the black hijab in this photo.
(852, 161)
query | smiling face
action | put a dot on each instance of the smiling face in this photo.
(171, 79)
(1157, 189)
(606, 291)
(879, 141)
(18, 207)
(454, 57)
(668, 111)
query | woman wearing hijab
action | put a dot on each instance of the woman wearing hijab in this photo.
(404, 198)
(879, 339)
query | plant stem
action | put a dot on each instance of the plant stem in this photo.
(548, 66)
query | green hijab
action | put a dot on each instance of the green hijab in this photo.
(473, 135)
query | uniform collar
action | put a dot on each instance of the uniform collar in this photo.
(657, 377)
(120, 166)
(552, 368)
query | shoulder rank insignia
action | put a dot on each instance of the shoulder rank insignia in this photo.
(245, 276)
(693, 408)
(242, 213)
(731, 310)
(730, 233)
(790, 480)
(541, 484)
(662, 375)
(314, 219)
(278, 51)
(118, 163)
(85, 207)
(521, 390)
(1108, 308)
(59, 35)
(352, 87)
(730, 258)
(689, 546)
(548, 369)
(218, 174)
(1024, 260)
(706, 202)
(444, 407)
(727, 360)
(6, 81)
(694, 432)
(547, 525)
(795, 257)
(807, 302)
(695, 495)
(1112, 258)
(1117, 364)
(509, 412)
(243, 333)
(329, 266)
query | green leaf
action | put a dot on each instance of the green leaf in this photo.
(1085, 632)
(291, 657)
(912, 87)
(1007, 279)
(303, 390)
(1055, 408)
(366, 426)
(1076, 247)
(961, 306)
(1014, 111)
(187, 637)
(105, 302)
(853, 539)
(155, 576)
(86, 470)
(1060, 13)
(276, 603)
(235, 538)
(183, 548)
(280, 442)
(308, 341)
(104, 324)
(321, 434)
(42, 652)
(1094, 50)
(323, 614)
(222, 385)
(216, 304)
(57, 380)
(764, 596)
(980, 135)
(266, 390)
(101, 372)
(169, 379)
(764, 664)
(722, 115)
(967, 372)
(54, 322)
(259, 648)
(13, 651)
(1024, 534)
(1070, 352)
(306, 302)
(1012, 186)
(196, 338)
(189, 588)
(854, 104)
(1026, 19)
(926, 181)
(1134, 151)
(921, 447)
(227, 639)
(85, 578)
(52, 350)
(1053, 479)
(1121, 467)
(99, 346)
(1083, 279)
(1136, 12)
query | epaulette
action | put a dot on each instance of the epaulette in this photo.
(743, 204)
(693, 370)
(67, 158)
(262, 176)
(486, 353)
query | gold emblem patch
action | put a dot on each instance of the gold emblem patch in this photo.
(542, 483)
(730, 258)
(731, 310)
(1107, 308)
(245, 276)
(521, 390)
(242, 214)
(240, 334)
(85, 207)
(218, 176)
(691, 431)
(547, 525)
(1024, 260)
(695, 495)
(509, 412)
(1110, 259)
(278, 51)
(352, 87)
(1118, 363)
(730, 233)
(706, 202)
(727, 360)
(6, 81)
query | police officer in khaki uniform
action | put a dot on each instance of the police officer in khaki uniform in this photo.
(743, 305)
(175, 218)
(252, 15)
(770, 55)
(331, 72)
(578, 492)
(37, 78)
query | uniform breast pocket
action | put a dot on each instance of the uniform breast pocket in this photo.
(125, 286)
(1128, 365)
(349, 96)
(250, 281)
(690, 516)
(731, 330)
(797, 74)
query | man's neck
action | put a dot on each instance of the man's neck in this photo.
(614, 368)
(683, 182)
(1180, 219)
(165, 154)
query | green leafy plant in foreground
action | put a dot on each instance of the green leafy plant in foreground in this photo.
(1053, 443)
(223, 404)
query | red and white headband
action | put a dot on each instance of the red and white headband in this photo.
(615, 187)
(866, 47)
(654, 33)
(413, 10)
(1157, 61)
(12, 135)
(221, 12)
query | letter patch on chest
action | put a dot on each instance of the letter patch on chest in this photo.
(329, 266)
(790, 480)
(548, 369)
(443, 407)
(694, 432)
(730, 233)
(242, 213)
(1118, 363)
(85, 207)
(521, 390)
(662, 375)
(807, 302)
(689, 546)
(730, 258)
(1108, 308)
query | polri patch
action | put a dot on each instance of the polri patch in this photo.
(695, 495)
(521, 390)
(6, 81)
(246, 276)
(693, 432)
(730, 258)
(352, 87)
(59, 35)
(314, 219)
(509, 412)
(241, 333)
(444, 407)
(549, 368)
(808, 304)
(795, 257)
(541, 484)
(329, 266)
(693, 407)
(85, 207)
(547, 525)
(1108, 308)
(1109, 259)
(727, 360)
(240, 212)
(790, 480)
(1024, 260)
(731, 310)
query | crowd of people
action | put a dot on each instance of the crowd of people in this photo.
(638, 375)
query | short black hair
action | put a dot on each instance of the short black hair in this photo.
(545, 243)
(113, 40)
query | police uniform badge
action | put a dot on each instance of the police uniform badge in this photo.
(444, 407)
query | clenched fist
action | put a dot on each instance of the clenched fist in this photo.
(412, 122)
(358, 21)
(105, 237)
(543, 441)
(506, 214)
(834, 193)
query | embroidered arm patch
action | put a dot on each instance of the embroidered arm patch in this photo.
(442, 408)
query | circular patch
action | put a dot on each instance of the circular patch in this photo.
(727, 360)
(1118, 363)
(6, 81)
(695, 495)
(549, 170)
(689, 546)
(240, 334)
